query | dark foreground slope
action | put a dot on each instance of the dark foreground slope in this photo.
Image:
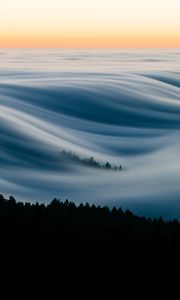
(68, 240)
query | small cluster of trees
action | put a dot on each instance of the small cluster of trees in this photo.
(90, 161)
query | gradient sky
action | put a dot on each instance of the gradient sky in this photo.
(89, 23)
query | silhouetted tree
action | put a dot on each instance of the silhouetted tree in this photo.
(107, 165)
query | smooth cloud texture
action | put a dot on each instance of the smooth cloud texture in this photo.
(93, 103)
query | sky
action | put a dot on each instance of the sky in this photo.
(90, 23)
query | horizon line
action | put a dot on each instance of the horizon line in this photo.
(90, 48)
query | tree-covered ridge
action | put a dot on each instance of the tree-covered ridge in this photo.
(63, 237)
(90, 162)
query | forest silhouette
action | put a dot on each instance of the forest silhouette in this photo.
(64, 238)
(90, 162)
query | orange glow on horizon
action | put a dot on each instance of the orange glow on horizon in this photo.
(40, 41)
(90, 24)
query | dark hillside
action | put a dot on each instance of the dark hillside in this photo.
(69, 240)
